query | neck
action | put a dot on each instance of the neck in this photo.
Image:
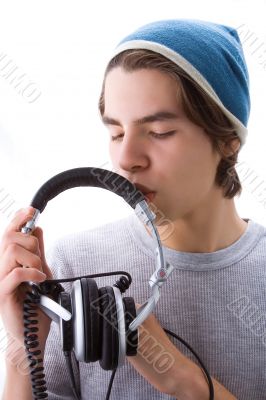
(211, 227)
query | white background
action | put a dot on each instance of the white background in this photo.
(63, 47)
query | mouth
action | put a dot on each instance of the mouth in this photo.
(149, 197)
(149, 194)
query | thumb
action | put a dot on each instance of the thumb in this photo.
(38, 232)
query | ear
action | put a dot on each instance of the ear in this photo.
(232, 147)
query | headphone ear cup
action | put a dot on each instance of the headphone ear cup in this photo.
(110, 341)
(66, 327)
(131, 337)
(92, 318)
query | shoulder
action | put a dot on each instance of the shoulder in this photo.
(258, 231)
(254, 244)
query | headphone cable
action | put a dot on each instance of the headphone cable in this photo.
(211, 390)
(110, 384)
(77, 393)
(67, 355)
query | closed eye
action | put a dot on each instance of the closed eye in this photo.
(162, 135)
(154, 134)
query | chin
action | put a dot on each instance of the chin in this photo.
(161, 218)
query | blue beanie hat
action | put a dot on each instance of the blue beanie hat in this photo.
(210, 53)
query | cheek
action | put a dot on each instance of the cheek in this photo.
(113, 156)
(192, 167)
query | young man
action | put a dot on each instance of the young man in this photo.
(175, 101)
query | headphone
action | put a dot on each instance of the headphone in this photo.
(96, 324)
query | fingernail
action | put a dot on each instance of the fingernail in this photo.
(28, 210)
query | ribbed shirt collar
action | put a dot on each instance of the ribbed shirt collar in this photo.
(200, 261)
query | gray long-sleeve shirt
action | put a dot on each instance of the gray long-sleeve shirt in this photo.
(215, 301)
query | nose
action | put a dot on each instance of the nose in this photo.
(131, 153)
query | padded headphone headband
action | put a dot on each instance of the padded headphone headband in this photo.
(87, 176)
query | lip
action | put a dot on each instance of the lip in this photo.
(149, 196)
(144, 189)
(148, 193)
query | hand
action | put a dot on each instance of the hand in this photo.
(18, 249)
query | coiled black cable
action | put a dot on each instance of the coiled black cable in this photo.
(31, 343)
(30, 321)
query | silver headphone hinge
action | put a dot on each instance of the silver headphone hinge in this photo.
(161, 274)
(30, 225)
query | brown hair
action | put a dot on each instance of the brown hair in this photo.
(199, 108)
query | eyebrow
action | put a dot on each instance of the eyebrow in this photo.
(159, 116)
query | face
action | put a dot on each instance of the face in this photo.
(153, 143)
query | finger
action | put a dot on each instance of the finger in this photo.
(29, 242)
(16, 256)
(18, 275)
(22, 216)
(38, 232)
